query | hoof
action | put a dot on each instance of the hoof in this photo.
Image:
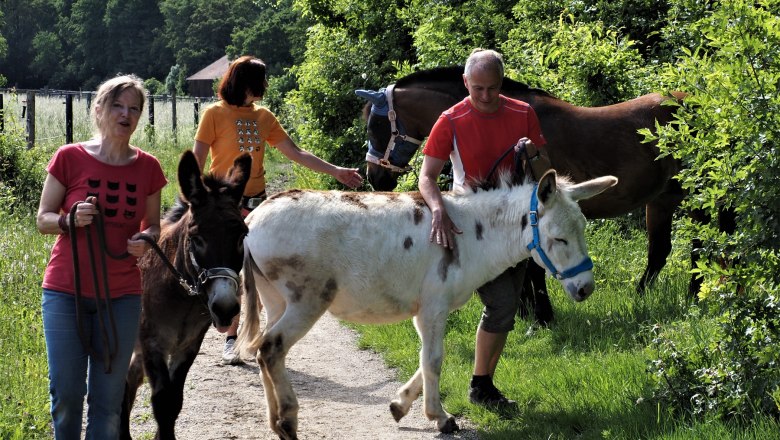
(286, 431)
(396, 411)
(449, 426)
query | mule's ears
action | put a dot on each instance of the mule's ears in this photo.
(239, 175)
(190, 182)
(377, 99)
(548, 187)
(590, 188)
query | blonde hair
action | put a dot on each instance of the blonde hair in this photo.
(110, 91)
(484, 59)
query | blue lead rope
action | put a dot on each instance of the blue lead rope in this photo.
(585, 265)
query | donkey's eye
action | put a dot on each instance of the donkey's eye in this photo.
(197, 241)
(562, 241)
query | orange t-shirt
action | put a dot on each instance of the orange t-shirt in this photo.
(230, 130)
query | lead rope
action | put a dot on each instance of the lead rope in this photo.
(109, 351)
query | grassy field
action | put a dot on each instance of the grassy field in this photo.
(582, 378)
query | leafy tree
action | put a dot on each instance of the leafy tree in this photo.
(354, 44)
(47, 47)
(583, 63)
(726, 135)
(131, 29)
(175, 81)
(84, 34)
(197, 32)
(23, 19)
(277, 36)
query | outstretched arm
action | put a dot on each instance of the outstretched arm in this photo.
(347, 176)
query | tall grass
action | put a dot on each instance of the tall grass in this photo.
(23, 382)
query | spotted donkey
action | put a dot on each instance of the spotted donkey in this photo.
(366, 258)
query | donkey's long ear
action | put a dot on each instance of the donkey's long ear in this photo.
(190, 181)
(548, 187)
(590, 188)
(239, 175)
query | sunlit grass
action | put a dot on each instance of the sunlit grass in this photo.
(23, 370)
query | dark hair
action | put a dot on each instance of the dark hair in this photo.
(244, 74)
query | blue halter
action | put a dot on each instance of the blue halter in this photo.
(586, 264)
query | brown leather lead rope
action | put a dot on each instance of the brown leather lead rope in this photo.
(109, 351)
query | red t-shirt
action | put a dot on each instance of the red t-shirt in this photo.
(473, 140)
(121, 192)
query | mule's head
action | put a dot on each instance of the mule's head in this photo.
(380, 134)
(215, 233)
(558, 229)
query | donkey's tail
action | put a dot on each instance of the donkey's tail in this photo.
(250, 335)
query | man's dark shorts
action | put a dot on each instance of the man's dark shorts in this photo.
(501, 298)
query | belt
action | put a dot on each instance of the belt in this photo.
(251, 202)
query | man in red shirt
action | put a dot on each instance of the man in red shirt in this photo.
(473, 134)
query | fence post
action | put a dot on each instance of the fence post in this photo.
(173, 111)
(151, 110)
(195, 111)
(68, 118)
(30, 119)
(2, 115)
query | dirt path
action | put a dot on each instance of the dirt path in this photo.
(344, 393)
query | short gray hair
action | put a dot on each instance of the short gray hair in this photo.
(484, 59)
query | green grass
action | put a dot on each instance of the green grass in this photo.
(24, 390)
(585, 376)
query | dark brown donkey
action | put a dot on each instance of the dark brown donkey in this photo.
(582, 142)
(203, 239)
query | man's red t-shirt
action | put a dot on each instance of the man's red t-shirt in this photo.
(473, 140)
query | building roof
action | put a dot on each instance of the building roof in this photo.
(213, 70)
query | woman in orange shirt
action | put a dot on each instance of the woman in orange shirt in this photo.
(235, 125)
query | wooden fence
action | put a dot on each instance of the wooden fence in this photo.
(25, 100)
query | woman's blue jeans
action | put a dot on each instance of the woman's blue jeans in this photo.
(73, 373)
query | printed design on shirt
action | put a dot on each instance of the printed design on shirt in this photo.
(248, 135)
(120, 198)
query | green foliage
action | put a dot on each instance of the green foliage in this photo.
(154, 86)
(24, 397)
(175, 82)
(446, 32)
(277, 36)
(583, 63)
(324, 111)
(21, 173)
(728, 371)
(197, 32)
(725, 134)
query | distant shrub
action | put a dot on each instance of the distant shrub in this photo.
(22, 173)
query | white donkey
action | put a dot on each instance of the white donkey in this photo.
(366, 258)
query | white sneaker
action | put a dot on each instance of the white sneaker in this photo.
(229, 355)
